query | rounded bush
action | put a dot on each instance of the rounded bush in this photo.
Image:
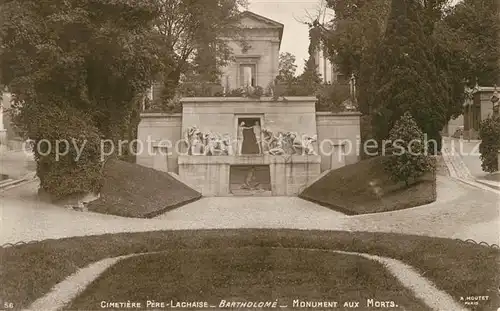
(68, 153)
(489, 133)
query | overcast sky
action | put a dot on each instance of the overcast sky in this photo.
(290, 13)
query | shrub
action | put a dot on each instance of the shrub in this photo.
(67, 174)
(408, 159)
(200, 89)
(489, 133)
(235, 92)
(332, 96)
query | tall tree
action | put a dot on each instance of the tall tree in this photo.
(351, 39)
(287, 67)
(310, 80)
(407, 77)
(477, 26)
(76, 73)
(358, 25)
(194, 33)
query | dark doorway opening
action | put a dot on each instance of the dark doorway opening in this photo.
(249, 135)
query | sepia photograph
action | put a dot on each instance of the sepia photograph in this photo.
(250, 155)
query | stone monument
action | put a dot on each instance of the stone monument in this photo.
(249, 145)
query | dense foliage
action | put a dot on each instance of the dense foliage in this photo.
(286, 67)
(476, 28)
(408, 159)
(192, 37)
(332, 97)
(460, 43)
(76, 72)
(92, 61)
(77, 166)
(407, 77)
(489, 134)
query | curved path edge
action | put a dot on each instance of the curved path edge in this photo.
(64, 292)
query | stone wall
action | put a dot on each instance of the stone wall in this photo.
(290, 175)
(207, 175)
(211, 175)
(339, 138)
(159, 129)
(484, 97)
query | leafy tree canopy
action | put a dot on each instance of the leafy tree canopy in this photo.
(407, 75)
(76, 70)
(287, 67)
(193, 34)
(475, 27)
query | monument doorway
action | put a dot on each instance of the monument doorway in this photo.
(249, 136)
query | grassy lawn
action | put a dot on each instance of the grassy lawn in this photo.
(247, 274)
(459, 268)
(131, 190)
(365, 187)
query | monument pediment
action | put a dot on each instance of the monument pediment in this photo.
(255, 21)
(252, 20)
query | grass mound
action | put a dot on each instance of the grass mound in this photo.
(365, 187)
(247, 274)
(131, 190)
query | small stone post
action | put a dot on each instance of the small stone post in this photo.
(3, 131)
(498, 158)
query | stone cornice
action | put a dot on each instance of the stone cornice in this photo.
(345, 113)
(210, 100)
(485, 89)
(238, 56)
(160, 115)
(248, 160)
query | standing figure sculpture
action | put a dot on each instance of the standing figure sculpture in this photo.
(240, 137)
(258, 135)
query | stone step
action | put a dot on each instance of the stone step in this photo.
(488, 183)
(253, 193)
(9, 182)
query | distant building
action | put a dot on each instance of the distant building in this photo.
(258, 63)
(9, 137)
(326, 69)
(476, 109)
(330, 74)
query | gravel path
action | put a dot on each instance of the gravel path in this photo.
(16, 164)
(64, 292)
(461, 211)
